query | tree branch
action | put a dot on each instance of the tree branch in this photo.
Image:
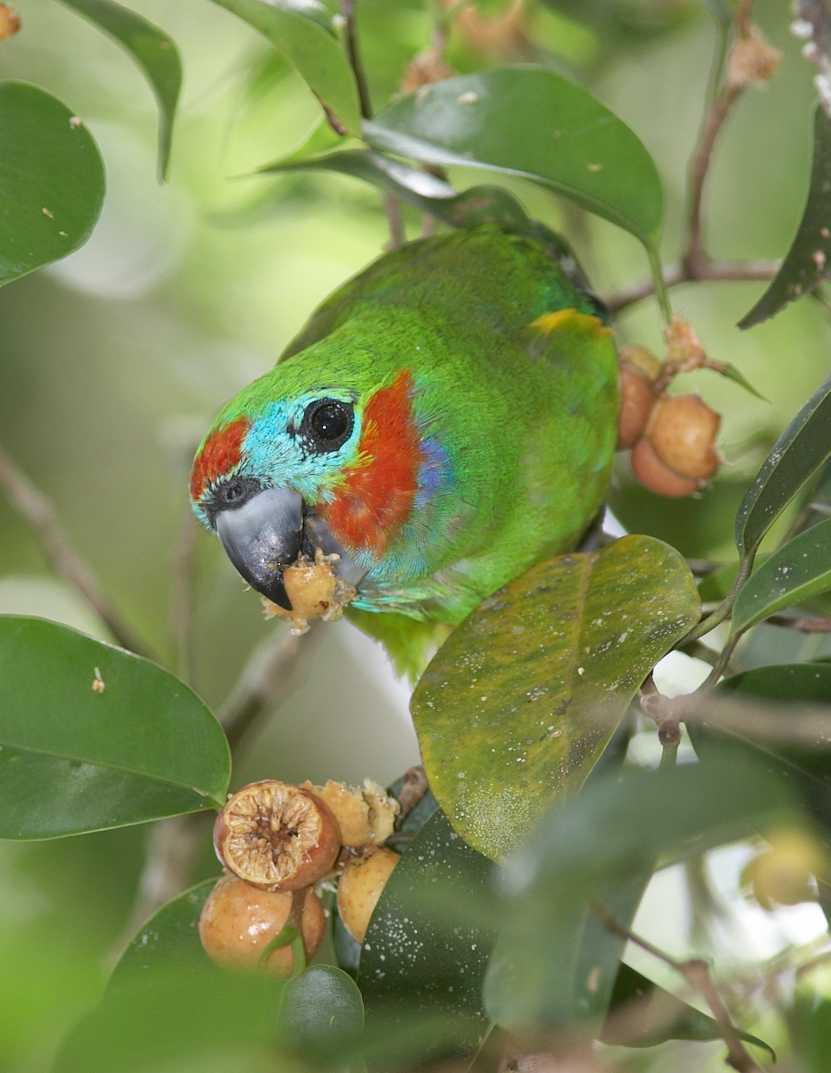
(702, 270)
(40, 515)
(697, 974)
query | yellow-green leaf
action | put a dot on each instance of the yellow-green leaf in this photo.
(519, 703)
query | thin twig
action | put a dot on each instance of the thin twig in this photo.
(42, 518)
(354, 53)
(392, 205)
(697, 974)
(264, 682)
(704, 270)
(699, 170)
(392, 210)
(182, 596)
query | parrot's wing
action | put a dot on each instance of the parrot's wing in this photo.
(409, 642)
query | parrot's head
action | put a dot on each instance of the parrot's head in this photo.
(319, 453)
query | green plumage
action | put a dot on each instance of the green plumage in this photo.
(515, 412)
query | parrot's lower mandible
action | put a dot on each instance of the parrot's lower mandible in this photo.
(444, 420)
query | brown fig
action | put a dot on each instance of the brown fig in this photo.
(637, 397)
(238, 922)
(360, 887)
(658, 477)
(276, 837)
(682, 431)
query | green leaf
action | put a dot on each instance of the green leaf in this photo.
(76, 759)
(794, 573)
(425, 192)
(323, 1011)
(587, 850)
(152, 50)
(305, 32)
(519, 703)
(51, 181)
(655, 1015)
(798, 453)
(804, 758)
(730, 372)
(806, 263)
(531, 122)
(169, 937)
(426, 949)
(179, 1017)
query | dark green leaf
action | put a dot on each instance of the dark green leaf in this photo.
(154, 52)
(803, 758)
(304, 31)
(587, 850)
(179, 1017)
(529, 121)
(93, 737)
(798, 453)
(51, 181)
(478, 205)
(806, 263)
(794, 573)
(323, 1010)
(519, 703)
(170, 937)
(425, 950)
(653, 1015)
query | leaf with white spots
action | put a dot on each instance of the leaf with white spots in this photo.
(792, 574)
(807, 261)
(426, 948)
(518, 705)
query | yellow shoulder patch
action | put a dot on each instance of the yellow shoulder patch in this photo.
(570, 318)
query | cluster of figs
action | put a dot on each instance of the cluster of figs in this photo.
(279, 845)
(672, 437)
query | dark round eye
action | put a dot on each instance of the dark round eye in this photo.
(327, 424)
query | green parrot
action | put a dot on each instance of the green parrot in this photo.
(445, 419)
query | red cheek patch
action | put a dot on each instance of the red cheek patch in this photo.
(219, 455)
(377, 493)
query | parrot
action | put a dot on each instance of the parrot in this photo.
(445, 419)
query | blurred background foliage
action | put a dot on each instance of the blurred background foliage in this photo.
(114, 360)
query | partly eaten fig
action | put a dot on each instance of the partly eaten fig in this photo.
(365, 815)
(360, 887)
(276, 837)
(315, 591)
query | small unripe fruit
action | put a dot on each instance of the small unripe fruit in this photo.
(276, 836)
(782, 874)
(657, 477)
(360, 887)
(637, 397)
(682, 431)
(238, 921)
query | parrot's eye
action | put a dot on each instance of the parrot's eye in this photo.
(327, 424)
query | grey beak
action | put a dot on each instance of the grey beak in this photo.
(261, 537)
